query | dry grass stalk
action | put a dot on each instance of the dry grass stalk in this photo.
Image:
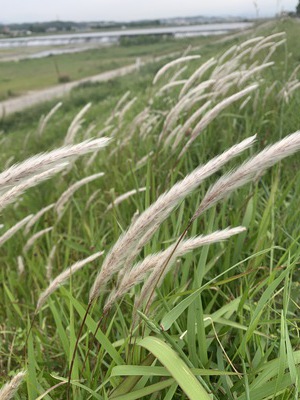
(37, 216)
(156, 261)
(88, 132)
(189, 122)
(137, 121)
(61, 278)
(149, 126)
(153, 216)
(253, 71)
(250, 41)
(245, 102)
(268, 92)
(10, 195)
(21, 267)
(211, 115)
(143, 160)
(225, 68)
(163, 264)
(198, 90)
(266, 39)
(91, 199)
(124, 196)
(8, 234)
(125, 109)
(261, 47)
(294, 73)
(196, 76)
(75, 125)
(170, 85)
(9, 162)
(171, 64)
(184, 104)
(233, 78)
(227, 53)
(30, 242)
(177, 74)
(49, 265)
(121, 102)
(249, 170)
(41, 162)
(59, 206)
(293, 87)
(172, 135)
(45, 119)
(8, 391)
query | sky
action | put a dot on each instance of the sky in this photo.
(128, 10)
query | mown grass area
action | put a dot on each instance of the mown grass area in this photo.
(31, 74)
(223, 323)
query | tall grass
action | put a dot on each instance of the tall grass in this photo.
(158, 317)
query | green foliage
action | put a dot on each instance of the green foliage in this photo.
(141, 40)
(224, 323)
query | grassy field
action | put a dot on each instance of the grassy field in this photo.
(18, 77)
(223, 321)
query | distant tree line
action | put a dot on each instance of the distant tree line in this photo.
(43, 27)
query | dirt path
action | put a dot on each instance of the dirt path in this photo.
(32, 98)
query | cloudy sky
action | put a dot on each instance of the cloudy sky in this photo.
(124, 10)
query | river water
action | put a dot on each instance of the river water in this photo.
(113, 36)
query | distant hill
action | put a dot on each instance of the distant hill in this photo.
(71, 26)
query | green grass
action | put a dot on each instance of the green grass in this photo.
(225, 320)
(17, 78)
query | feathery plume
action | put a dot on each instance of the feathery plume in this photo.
(92, 198)
(8, 234)
(156, 261)
(210, 115)
(250, 41)
(170, 85)
(184, 104)
(37, 216)
(21, 267)
(177, 74)
(245, 102)
(49, 265)
(88, 132)
(61, 278)
(10, 195)
(126, 108)
(153, 216)
(30, 241)
(121, 102)
(144, 159)
(227, 53)
(8, 162)
(124, 196)
(43, 161)
(45, 119)
(8, 391)
(59, 206)
(167, 66)
(75, 125)
(269, 38)
(189, 122)
(253, 71)
(249, 170)
(172, 135)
